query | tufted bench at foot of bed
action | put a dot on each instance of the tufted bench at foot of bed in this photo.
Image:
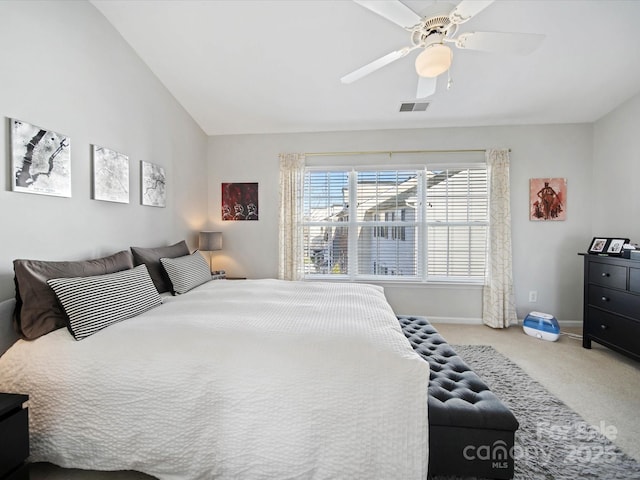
(471, 432)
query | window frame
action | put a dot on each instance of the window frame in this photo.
(392, 228)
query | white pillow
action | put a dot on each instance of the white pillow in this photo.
(95, 302)
(186, 272)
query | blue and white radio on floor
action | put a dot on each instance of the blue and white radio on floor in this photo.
(541, 325)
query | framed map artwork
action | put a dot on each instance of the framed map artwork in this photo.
(110, 175)
(153, 185)
(40, 160)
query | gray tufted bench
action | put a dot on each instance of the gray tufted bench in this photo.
(471, 432)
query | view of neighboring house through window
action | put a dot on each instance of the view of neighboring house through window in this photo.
(425, 224)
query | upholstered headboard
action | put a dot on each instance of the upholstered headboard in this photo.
(8, 335)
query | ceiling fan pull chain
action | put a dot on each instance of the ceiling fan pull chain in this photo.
(449, 81)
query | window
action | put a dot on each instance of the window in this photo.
(422, 224)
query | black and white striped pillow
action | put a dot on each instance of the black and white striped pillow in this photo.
(186, 272)
(93, 303)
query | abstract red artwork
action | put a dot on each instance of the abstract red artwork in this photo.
(239, 201)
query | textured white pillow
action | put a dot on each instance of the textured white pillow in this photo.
(186, 272)
(95, 302)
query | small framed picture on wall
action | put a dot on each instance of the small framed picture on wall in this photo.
(547, 199)
(240, 201)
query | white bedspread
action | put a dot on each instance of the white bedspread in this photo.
(255, 379)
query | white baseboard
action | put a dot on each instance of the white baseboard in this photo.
(458, 320)
(478, 321)
(570, 323)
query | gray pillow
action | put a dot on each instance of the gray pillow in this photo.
(37, 309)
(151, 258)
(187, 272)
(93, 303)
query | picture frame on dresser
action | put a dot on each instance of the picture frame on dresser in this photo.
(598, 245)
(615, 246)
(610, 246)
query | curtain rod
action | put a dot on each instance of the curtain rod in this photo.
(392, 152)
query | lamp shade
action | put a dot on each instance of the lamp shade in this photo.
(210, 241)
(434, 60)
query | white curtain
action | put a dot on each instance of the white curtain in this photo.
(290, 238)
(498, 300)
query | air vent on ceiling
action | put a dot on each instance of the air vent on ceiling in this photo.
(414, 106)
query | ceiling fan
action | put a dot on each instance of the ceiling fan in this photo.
(432, 34)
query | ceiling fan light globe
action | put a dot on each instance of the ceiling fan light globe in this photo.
(434, 60)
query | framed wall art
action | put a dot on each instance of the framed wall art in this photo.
(239, 201)
(547, 199)
(40, 160)
(152, 185)
(110, 175)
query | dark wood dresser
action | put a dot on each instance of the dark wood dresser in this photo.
(611, 312)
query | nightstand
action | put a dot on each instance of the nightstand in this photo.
(14, 437)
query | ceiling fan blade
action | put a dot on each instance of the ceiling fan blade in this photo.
(393, 10)
(375, 65)
(518, 43)
(467, 9)
(426, 86)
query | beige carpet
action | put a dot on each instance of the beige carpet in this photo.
(599, 384)
(602, 386)
(552, 442)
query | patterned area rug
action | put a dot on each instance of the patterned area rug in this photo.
(553, 442)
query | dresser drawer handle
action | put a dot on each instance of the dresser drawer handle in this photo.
(605, 299)
(605, 274)
(603, 327)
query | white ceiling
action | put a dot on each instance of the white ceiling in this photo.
(274, 66)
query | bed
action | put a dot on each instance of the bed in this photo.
(247, 379)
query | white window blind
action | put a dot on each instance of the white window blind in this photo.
(421, 224)
(386, 222)
(457, 220)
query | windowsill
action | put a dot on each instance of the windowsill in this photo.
(391, 284)
(405, 283)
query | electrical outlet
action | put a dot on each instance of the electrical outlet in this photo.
(533, 296)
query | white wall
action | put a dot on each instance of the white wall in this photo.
(545, 253)
(63, 67)
(616, 173)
